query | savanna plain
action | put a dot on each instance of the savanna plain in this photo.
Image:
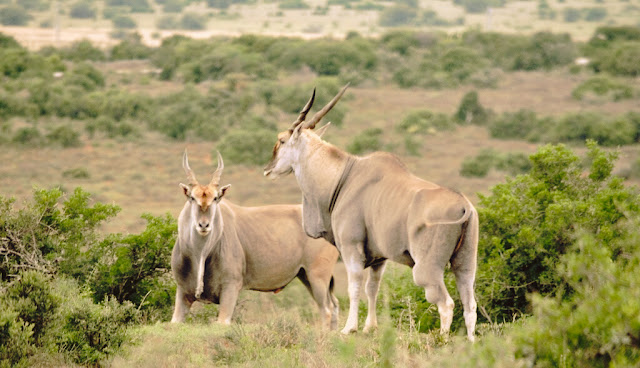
(530, 108)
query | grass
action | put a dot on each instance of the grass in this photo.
(266, 18)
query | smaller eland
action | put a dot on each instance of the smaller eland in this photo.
(222, 248)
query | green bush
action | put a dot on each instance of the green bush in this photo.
(86, 76)
(514, 163)
(571, 15)
(193, 22)
(28, 136)
(83, 10)
(127, 267)
(248, 147)
(621, 59)
(479, 6)
(167, 22)
(397, 15)
(605, 36)
(528, 223)
(124, 22)
(578, 127)
(90, 332)
(470, 111)
(82, 50)
(14, 15)
(130, 48)
(545, 50)
(595, 14)
(367, 141)
(31, 298)
(111, 128)
(479, 165)
(76, 173)
(16, 336)
(522, 124)
(293, 4)
(424, 122)
(603, 86)
(64, 136)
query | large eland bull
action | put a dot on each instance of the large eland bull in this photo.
(373, 209)
(222, 248)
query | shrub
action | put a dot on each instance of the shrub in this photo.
(603, 86)
(128, 267)
(480, 165)
(470, 111)
(14, 15)
(91, 332)
(367, 141)
(167, 22)
(571, 15)
(605, 36)
(77, 173)
(139, 6)
(64, 136)
(86, 76)
(479, 6)
(130, 48)
(30, 297)
(28, 136)
(528, 223)
(397, 15)
(293, 4)
(16, 337)
(37, 5)
(173, 6)
(621, 59)
(424, 122)
(545, 50)
(50, 234)
(83, 50)
(123, 22)
(514, 163)
(582, 126)
(519, 125)
(595, 14)
(82, 10)
(193, 21)
(248, 147)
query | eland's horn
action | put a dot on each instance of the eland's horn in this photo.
(185, 165)
(218, 173)
(320, 114)
(304, 111)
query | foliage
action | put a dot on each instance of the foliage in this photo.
(480, 165)
(15, 335)
(397, 15)
(368, 140)
(14, 15)
(479, 6)
(471, 111)
(127, 266)
(123, 22)
(522, 124)
(248, 147)
(293, 4)
(620, 59)
(64, 136)
(83, 10)
(424, 122)
(528, 223)
(545, 50)
(603, 86)
(193, 21)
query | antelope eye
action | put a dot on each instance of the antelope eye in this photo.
(193, 198)
(281, 141)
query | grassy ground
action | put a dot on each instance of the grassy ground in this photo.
(265, 17)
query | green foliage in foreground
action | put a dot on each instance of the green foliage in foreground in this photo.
(68, 295)
(529, 223)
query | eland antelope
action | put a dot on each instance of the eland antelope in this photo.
(222, 248)
(373, 209)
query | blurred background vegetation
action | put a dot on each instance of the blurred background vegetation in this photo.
(542, 122)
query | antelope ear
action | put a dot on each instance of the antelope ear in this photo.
(186, 189)
(223, 190)
(296, 132)
(321, 131)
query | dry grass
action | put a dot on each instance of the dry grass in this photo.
(265, 18)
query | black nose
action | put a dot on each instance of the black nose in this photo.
(203, 225)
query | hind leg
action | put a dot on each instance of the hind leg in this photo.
(320, 291)
(431, 278)
(372, 287)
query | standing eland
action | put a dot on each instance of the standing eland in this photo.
(373, 209)
(222, 248)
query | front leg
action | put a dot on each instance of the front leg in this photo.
(228, 299)
(182, 306)
(353, 257)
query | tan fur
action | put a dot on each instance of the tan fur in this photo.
(255, 248)
(384, 212)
